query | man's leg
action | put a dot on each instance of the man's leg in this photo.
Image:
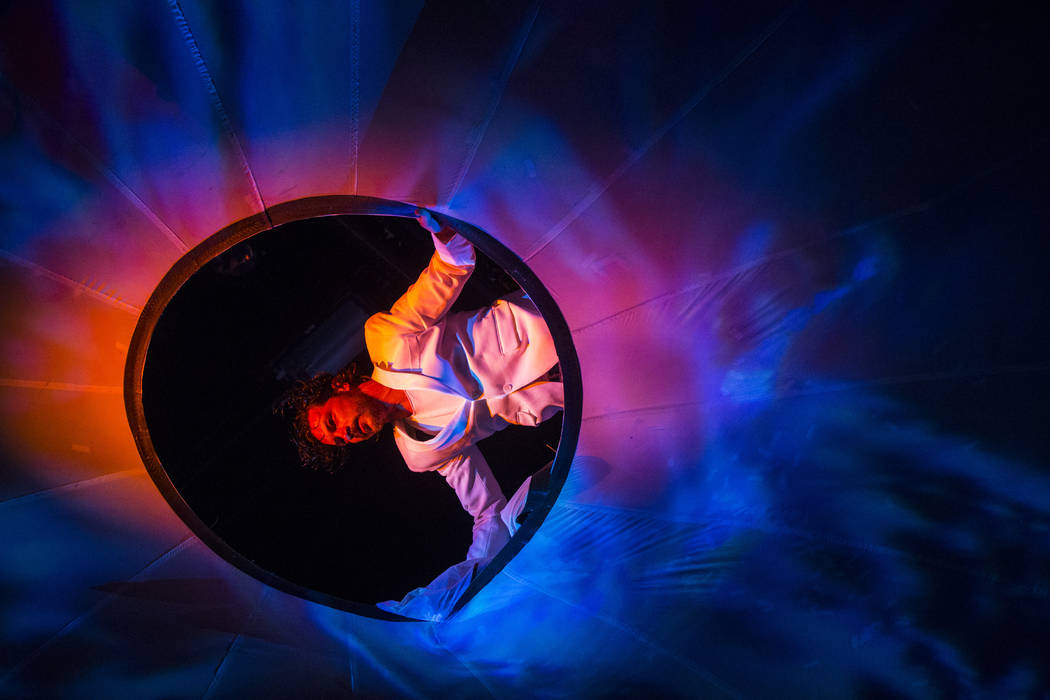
(525, 500)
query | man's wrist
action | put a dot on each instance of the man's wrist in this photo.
(456, 251)
(445, 234)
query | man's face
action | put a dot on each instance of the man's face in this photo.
(347, 417)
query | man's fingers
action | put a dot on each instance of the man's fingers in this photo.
(427, 220)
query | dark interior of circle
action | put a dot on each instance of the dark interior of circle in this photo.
(286, 303)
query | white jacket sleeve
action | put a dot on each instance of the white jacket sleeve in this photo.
(429, 298)
(471, 478)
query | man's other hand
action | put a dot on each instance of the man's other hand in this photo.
(427, 221)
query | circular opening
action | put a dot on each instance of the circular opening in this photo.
(285, 296)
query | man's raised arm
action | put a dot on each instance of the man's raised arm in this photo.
(428, 300)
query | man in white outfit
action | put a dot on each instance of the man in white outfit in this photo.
(444, 381)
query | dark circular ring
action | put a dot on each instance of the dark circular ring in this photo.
(338, 205)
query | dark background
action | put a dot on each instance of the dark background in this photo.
(285, 304)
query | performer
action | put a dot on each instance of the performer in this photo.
(443, 381)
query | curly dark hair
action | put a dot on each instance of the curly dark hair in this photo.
(293, 406)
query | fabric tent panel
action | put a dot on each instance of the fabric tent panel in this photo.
(653, 368)
(381, 666)
(870, 523)
(118, 652)
(132, 95)
(842, 104)
(283, 620)
(711, 580)
(160, 631)
(640, 66)
(719, 341)
(621, 557)
(882, 322)
(370, 653)
(851, 612)
(434, 107)
(528, 179)
(286, 645)
(716, 176)
(794, 538)
(59, 547)
(654, 447)
(56, 332)
(268, 671)
(593, 257)
(708, 229)
(71, 216)
(577, 113)
(776, 326)
(59, 436)
(527, 636)
(301, 93)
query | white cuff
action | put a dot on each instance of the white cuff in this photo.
(489, 537)
(458, 252)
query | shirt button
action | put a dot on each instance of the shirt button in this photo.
(507, 388)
